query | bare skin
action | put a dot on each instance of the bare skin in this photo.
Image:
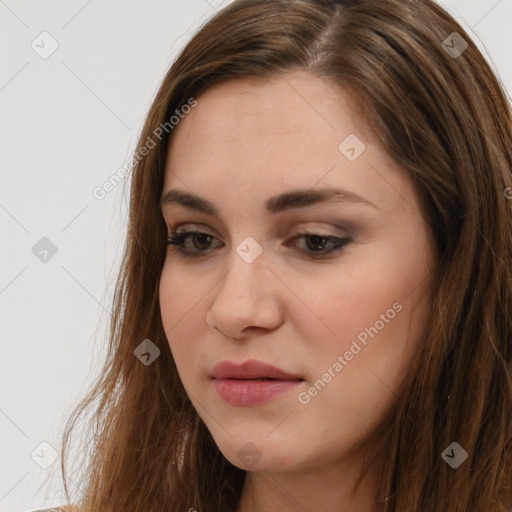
(247, 141)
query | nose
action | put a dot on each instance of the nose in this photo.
(246, 299)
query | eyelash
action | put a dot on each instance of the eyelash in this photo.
(178, 240)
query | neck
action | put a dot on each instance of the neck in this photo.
(329, 488)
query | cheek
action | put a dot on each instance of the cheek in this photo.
(180, 303)
(354, 393)
(345, 304)
(375, 314)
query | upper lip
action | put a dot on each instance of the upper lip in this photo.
(251, 369)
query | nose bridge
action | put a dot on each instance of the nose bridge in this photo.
(245, 279)
(245, 296)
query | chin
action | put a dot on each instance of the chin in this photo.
(256, 453)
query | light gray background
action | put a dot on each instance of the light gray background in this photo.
(67, 123)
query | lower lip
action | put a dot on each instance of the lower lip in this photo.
(245, 393)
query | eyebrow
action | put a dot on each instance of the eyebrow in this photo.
(280, 203)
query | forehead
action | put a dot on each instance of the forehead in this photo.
(289, 104)
(282, 132)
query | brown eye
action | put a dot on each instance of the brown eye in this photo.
(317, 245)
(200, 244)
(328, 244)
(316, 240)
(203, 239)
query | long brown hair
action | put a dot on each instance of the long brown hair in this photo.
(441, 113)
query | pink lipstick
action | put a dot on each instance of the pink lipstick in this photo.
(251, 383)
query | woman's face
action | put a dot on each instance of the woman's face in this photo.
(263, 283)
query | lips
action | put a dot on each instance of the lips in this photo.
(250, 370)
(251, 383)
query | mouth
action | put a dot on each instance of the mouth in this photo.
(259, 378)
(251, 370)
(251, 383)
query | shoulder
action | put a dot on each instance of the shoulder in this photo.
(61, 509)
(67, 508)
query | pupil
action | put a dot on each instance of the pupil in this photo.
(203, 238)
(319, 239)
